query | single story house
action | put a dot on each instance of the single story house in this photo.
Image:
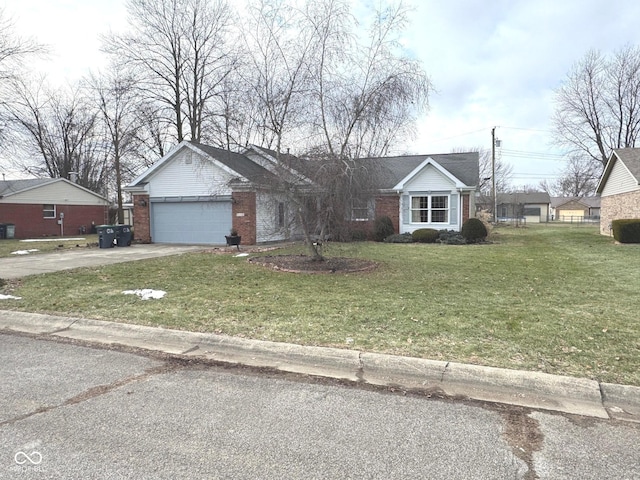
(42, 207)
(619, 188)
(575, 209)
(532, 207)
(197, 193)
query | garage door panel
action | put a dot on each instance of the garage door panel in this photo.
(190, 222)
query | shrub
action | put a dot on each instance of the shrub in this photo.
(358, 235)
(382, 228)
(626, 230)
(425, 235)
(451, 237)
(399, 238)
(473, 230)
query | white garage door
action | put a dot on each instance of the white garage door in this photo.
(190, 222)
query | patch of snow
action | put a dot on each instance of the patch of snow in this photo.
(24, 252)
(62, 239)
(242, 255)
(146, 293)
(9, 297)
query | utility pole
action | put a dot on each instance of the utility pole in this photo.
(493, 175)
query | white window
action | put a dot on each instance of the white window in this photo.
(360, 210)
(49, 211)
(430, 209)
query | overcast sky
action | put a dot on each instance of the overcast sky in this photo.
(494, 63)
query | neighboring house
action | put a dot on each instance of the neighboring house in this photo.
(619, 188)
(575, 209)
(532, 207)
(50, 207)
(197, 194)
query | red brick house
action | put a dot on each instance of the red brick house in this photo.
(197, 194)
(44, 207)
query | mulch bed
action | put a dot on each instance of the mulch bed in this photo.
(305, 264)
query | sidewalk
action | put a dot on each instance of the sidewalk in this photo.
(529, 389)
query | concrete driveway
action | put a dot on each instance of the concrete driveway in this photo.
(21, 266)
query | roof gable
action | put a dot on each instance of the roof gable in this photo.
(393, 171)
(236, 165)
(629, 158)
(420, 169)
(25, 187)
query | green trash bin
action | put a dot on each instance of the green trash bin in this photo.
(10, 230)
(123, 235)
(3, 230)
(106, 235)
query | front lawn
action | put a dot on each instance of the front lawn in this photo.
(9, 247)
(560, 299)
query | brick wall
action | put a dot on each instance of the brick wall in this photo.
(30, 222)
(243, 211)
(465, 207)
(389, 206)
(614, 207)
(141, 220)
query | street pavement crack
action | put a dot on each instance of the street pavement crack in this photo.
(444, 370)
(96, 391)
(360, 372)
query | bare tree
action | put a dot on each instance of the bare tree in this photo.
(343, 98)
(116, 97)
(57, 131)
(178, 51)
(14, 51)
(368, 95)
(598, 105)
(578, 179)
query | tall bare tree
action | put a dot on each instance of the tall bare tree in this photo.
(14, 51)
(338, 98)
(598, 105)
(57, 131)
(118, 103)
(179, 51)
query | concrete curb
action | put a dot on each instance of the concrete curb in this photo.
(529, 389)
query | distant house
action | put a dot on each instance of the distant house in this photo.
(50, 207)
(575, 209)
(531, 207)
(198, 193)
(619, 188)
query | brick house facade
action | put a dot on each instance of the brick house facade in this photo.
(198, 193)
(619, 188)
(50, 207)
(624, 205)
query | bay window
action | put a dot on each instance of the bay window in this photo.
(430, 209)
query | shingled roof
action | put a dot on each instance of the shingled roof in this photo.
(391, 170)
(8, 187)
(238, 163)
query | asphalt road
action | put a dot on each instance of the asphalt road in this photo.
(71, 411)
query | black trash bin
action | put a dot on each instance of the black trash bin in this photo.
(9, 230)
(3, 231)
(123, 235)
(106, 235)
